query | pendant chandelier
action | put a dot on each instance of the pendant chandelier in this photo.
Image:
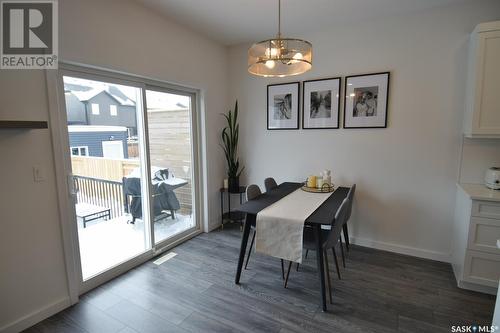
(280, 57)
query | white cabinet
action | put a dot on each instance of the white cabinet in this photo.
(482, 118)
(476, 229)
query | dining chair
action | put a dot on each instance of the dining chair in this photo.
(270, 183)
(350, 196)
(331, 240)
(252, 192)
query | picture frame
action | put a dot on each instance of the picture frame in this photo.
(366, 100)
(321, 103)
(283, 106)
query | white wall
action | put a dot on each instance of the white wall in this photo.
(406, 174)
(478, 155)
(32, 271)
(114, 34)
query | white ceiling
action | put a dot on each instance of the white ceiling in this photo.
(236, 21)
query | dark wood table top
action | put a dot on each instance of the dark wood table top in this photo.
(323, 215)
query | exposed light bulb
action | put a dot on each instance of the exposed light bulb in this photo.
(298, 56)
(271, 52)
(270, 64)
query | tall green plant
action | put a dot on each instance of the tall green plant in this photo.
(229, 136)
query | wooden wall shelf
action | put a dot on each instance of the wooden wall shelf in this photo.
(22, 124)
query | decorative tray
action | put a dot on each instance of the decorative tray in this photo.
(325, 189)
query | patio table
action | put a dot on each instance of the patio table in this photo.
(89, 212)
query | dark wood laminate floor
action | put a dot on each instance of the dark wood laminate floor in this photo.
(195, 292)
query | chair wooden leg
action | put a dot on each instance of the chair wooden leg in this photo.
(288, 273)
(336, 262)
(346, 236)
(327, 270)
(282, 269)
(342, 252)
(250, 250)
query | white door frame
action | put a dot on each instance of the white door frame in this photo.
(62, 161)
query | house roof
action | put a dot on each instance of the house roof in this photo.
(86, 95)
(95, 128)
(85, 90)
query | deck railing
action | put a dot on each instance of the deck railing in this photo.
(101, 192)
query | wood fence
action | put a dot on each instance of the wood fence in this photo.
(170, 148)
(102, 168)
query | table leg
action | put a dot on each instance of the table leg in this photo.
(244, 241)
(321, 268)
(346, 236)
(241, 203)
(221, 211)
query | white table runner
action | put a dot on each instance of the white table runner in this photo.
(280, 226)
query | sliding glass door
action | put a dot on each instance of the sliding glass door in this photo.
(107, 172)
(133, 155)
(170, 152)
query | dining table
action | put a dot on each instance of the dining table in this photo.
(323, 215)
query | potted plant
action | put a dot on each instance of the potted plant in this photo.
(230, 145)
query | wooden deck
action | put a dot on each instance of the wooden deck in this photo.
(195, 292)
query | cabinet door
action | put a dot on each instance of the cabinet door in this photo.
(486, 106)
(483, 235)
(482, 268)
(488, 209)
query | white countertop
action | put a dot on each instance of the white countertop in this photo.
(480, 192)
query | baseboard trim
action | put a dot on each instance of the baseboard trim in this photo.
(401, 249)
(478, 288)
(36, 316)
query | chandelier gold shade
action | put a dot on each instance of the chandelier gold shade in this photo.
(280, 57)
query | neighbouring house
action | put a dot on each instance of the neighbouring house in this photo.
(98, 141)
(107, 106)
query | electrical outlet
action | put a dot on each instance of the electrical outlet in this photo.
(38, 174)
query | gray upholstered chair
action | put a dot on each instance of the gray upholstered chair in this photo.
(269, 184)
(252, 192)
(350, 196)
(331, 240)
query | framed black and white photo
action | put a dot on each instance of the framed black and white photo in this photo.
(283, 106)
(321, 103)
(365, 100)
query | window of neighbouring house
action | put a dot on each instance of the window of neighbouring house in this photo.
(80, 151)
(95, 108)
(113, 110)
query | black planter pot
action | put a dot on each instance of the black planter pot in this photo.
(234, 184)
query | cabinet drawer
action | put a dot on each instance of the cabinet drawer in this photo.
(482, 268)
(483, 235)
(490, 209)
